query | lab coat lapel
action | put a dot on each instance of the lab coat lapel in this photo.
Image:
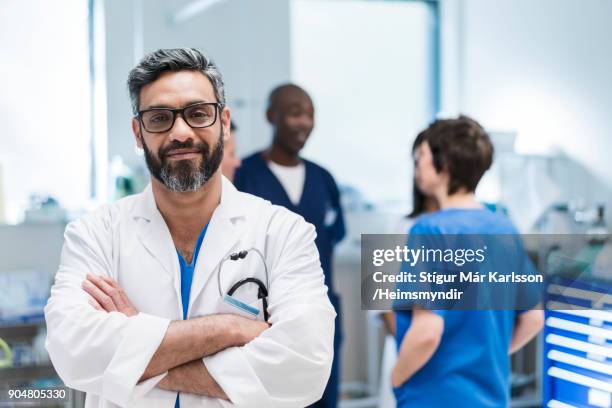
(221, 237)
(154, 235)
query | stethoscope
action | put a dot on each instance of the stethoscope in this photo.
(262, 291)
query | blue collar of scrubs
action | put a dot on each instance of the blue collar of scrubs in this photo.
(187, 270)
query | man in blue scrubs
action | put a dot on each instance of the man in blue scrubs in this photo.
(450, 358)
(281, 176)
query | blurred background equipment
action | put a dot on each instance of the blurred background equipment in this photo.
(29, 256)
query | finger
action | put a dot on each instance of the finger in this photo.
(126, 300)
(95, 304)
(110, 281)
(113, 292)
(99, 296)
(121, 300)
(102, 298)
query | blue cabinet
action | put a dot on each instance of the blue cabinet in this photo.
(578, 344)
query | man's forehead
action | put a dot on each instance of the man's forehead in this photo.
(294, 99)
(176, 88)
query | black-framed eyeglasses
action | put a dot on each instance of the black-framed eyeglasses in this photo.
(198, 115)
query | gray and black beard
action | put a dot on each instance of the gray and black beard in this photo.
(184, 175)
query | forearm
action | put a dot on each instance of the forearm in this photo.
(415, 352)
(527, 327)
(192, 378)
(188, 340)
(272, 370)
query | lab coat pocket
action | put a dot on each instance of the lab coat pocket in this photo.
(258, 304)
(232, 305)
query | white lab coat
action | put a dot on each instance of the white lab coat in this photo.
(104, 354)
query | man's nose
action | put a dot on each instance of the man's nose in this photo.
(180, 131)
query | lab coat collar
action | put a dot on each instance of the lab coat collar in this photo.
(220, 237)
(231, 200)
(230, 203)
(153, 232)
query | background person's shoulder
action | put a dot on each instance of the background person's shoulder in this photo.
(317, 167)
(249, 162)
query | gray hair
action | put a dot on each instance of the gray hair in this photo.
(172, 59)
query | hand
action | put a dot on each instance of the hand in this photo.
(107, 295)
(247, 329)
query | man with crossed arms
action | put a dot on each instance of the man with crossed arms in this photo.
(136, 317)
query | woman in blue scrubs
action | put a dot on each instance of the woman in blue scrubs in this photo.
(454, 358)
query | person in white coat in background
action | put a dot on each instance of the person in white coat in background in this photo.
(140, 314)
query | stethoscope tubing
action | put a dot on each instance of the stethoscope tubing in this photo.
(235, 256)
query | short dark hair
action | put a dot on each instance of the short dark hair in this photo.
(277, 92)
(157, 62)
(418, 198)
(460, 146)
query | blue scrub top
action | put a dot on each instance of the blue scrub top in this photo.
(186, 280)
(471, 366)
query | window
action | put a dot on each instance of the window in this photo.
(44, 103)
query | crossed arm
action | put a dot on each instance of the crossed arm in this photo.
(185, 343)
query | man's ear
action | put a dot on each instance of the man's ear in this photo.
(226, 120)
(137, 132)
(270, 116)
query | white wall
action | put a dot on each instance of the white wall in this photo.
(249, 41)
(369, 68)
(541, 68)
